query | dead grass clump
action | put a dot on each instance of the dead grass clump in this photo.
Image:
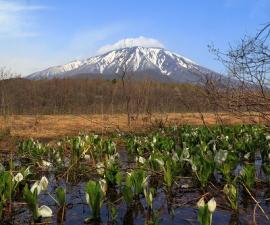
(5, 132)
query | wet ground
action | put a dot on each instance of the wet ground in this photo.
(181, 210)
(176, 208)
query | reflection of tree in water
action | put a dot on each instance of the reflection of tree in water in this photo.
(246, 201)
(234, 220)
(112, 193)
(170, 202)
(132, 212)
(267, 196)
(128, 218)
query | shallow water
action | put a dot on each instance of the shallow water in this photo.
(180, 208)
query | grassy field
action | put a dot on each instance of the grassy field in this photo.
(51, 126)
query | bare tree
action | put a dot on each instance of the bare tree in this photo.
(248, 64)
(126, 95)
(72, 96)
(4, 76)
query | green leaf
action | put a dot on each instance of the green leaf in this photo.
(32, 202)
(232, 195)
(95, 198)
(61, 196)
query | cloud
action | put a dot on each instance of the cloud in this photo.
(16, 19)
(15, 6)
(131, 42)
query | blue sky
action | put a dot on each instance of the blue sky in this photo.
(35, 34)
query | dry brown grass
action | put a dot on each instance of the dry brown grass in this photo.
(50, 126)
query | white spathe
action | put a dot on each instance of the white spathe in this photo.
(145, 181)
(141, 159)
(103, 186)
(201, 203)
(18, 178)
(41, 185)
(45, 164)
(44, 211)
(27, 171)
(37, 187)
(87, 198)
(44, 183)
(212, 205)
(100, 168)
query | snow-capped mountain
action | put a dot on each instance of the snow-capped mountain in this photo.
(138, 62)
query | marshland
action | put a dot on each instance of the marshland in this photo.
(166, 176)
(103, 121)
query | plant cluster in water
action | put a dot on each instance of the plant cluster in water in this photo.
(220, 163)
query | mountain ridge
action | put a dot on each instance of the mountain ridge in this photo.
(157, 63)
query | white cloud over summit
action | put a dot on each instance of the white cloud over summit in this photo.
(131, 42)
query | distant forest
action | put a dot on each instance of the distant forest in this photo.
(245, 91)
(84, 96)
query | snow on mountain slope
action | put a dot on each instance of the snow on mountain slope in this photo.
(55, 70)
(157, 62)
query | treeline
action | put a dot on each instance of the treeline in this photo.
(84, 96)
